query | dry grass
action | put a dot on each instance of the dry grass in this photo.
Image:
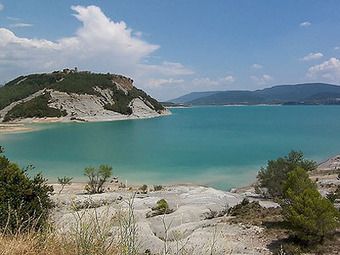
(30, 244)
(38, 244)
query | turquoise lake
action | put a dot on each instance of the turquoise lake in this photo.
(222, 146)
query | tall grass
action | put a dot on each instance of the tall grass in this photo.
(91, 232)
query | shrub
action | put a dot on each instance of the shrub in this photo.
(64, 181)
(157, 187)
(311, 216)
(144, 188)
(275, 173)
(162, 206)
(24, 202)
(97, 177)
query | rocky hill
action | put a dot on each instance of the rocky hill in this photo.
(300, 94)
(69, 95)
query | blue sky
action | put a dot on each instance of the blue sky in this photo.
(172, 47)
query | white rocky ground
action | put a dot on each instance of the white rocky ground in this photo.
(197, 225)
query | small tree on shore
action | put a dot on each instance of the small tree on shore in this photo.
(97, 177)
(63, 182)
(273, 176)
(311, 216)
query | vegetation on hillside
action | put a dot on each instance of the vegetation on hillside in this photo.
(122, 101)
(36, 107)
(24, 86)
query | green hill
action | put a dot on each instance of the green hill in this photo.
(34, 95)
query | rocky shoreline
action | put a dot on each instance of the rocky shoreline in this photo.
(199, 218)
(198, 221)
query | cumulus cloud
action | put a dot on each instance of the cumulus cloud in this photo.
(256, 66)
(21, 25)
(262, 80)
(100, 45)
(101, 35)
(327, 71)
(312, 56)
(305, 24)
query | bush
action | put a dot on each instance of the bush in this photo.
(162, 206)
(311, 216)
(157, 187)
(24, 202)
(97, 178)
(144, 188)
(275, 173)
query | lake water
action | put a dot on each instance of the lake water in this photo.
(223, 147)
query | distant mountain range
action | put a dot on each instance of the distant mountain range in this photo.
(300, 94)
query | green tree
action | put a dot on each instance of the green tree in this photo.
(24, 202)
(311, 216)
(97, 177)
(275, 173)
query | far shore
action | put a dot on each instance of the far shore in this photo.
(15, 128)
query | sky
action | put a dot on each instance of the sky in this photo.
(173, 47)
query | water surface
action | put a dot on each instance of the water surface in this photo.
(223, 147)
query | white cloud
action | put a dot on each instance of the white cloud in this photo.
(21, 25)
(1, 6)
(262, 80)
(13, 18)
(256, 66)
(336, 48)
(99, 45)
(327, 71)
(208, 82)
(305, 24)
(229, 79)
(312, 56)
(156, 83)
(166, 68)
(101, 35)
